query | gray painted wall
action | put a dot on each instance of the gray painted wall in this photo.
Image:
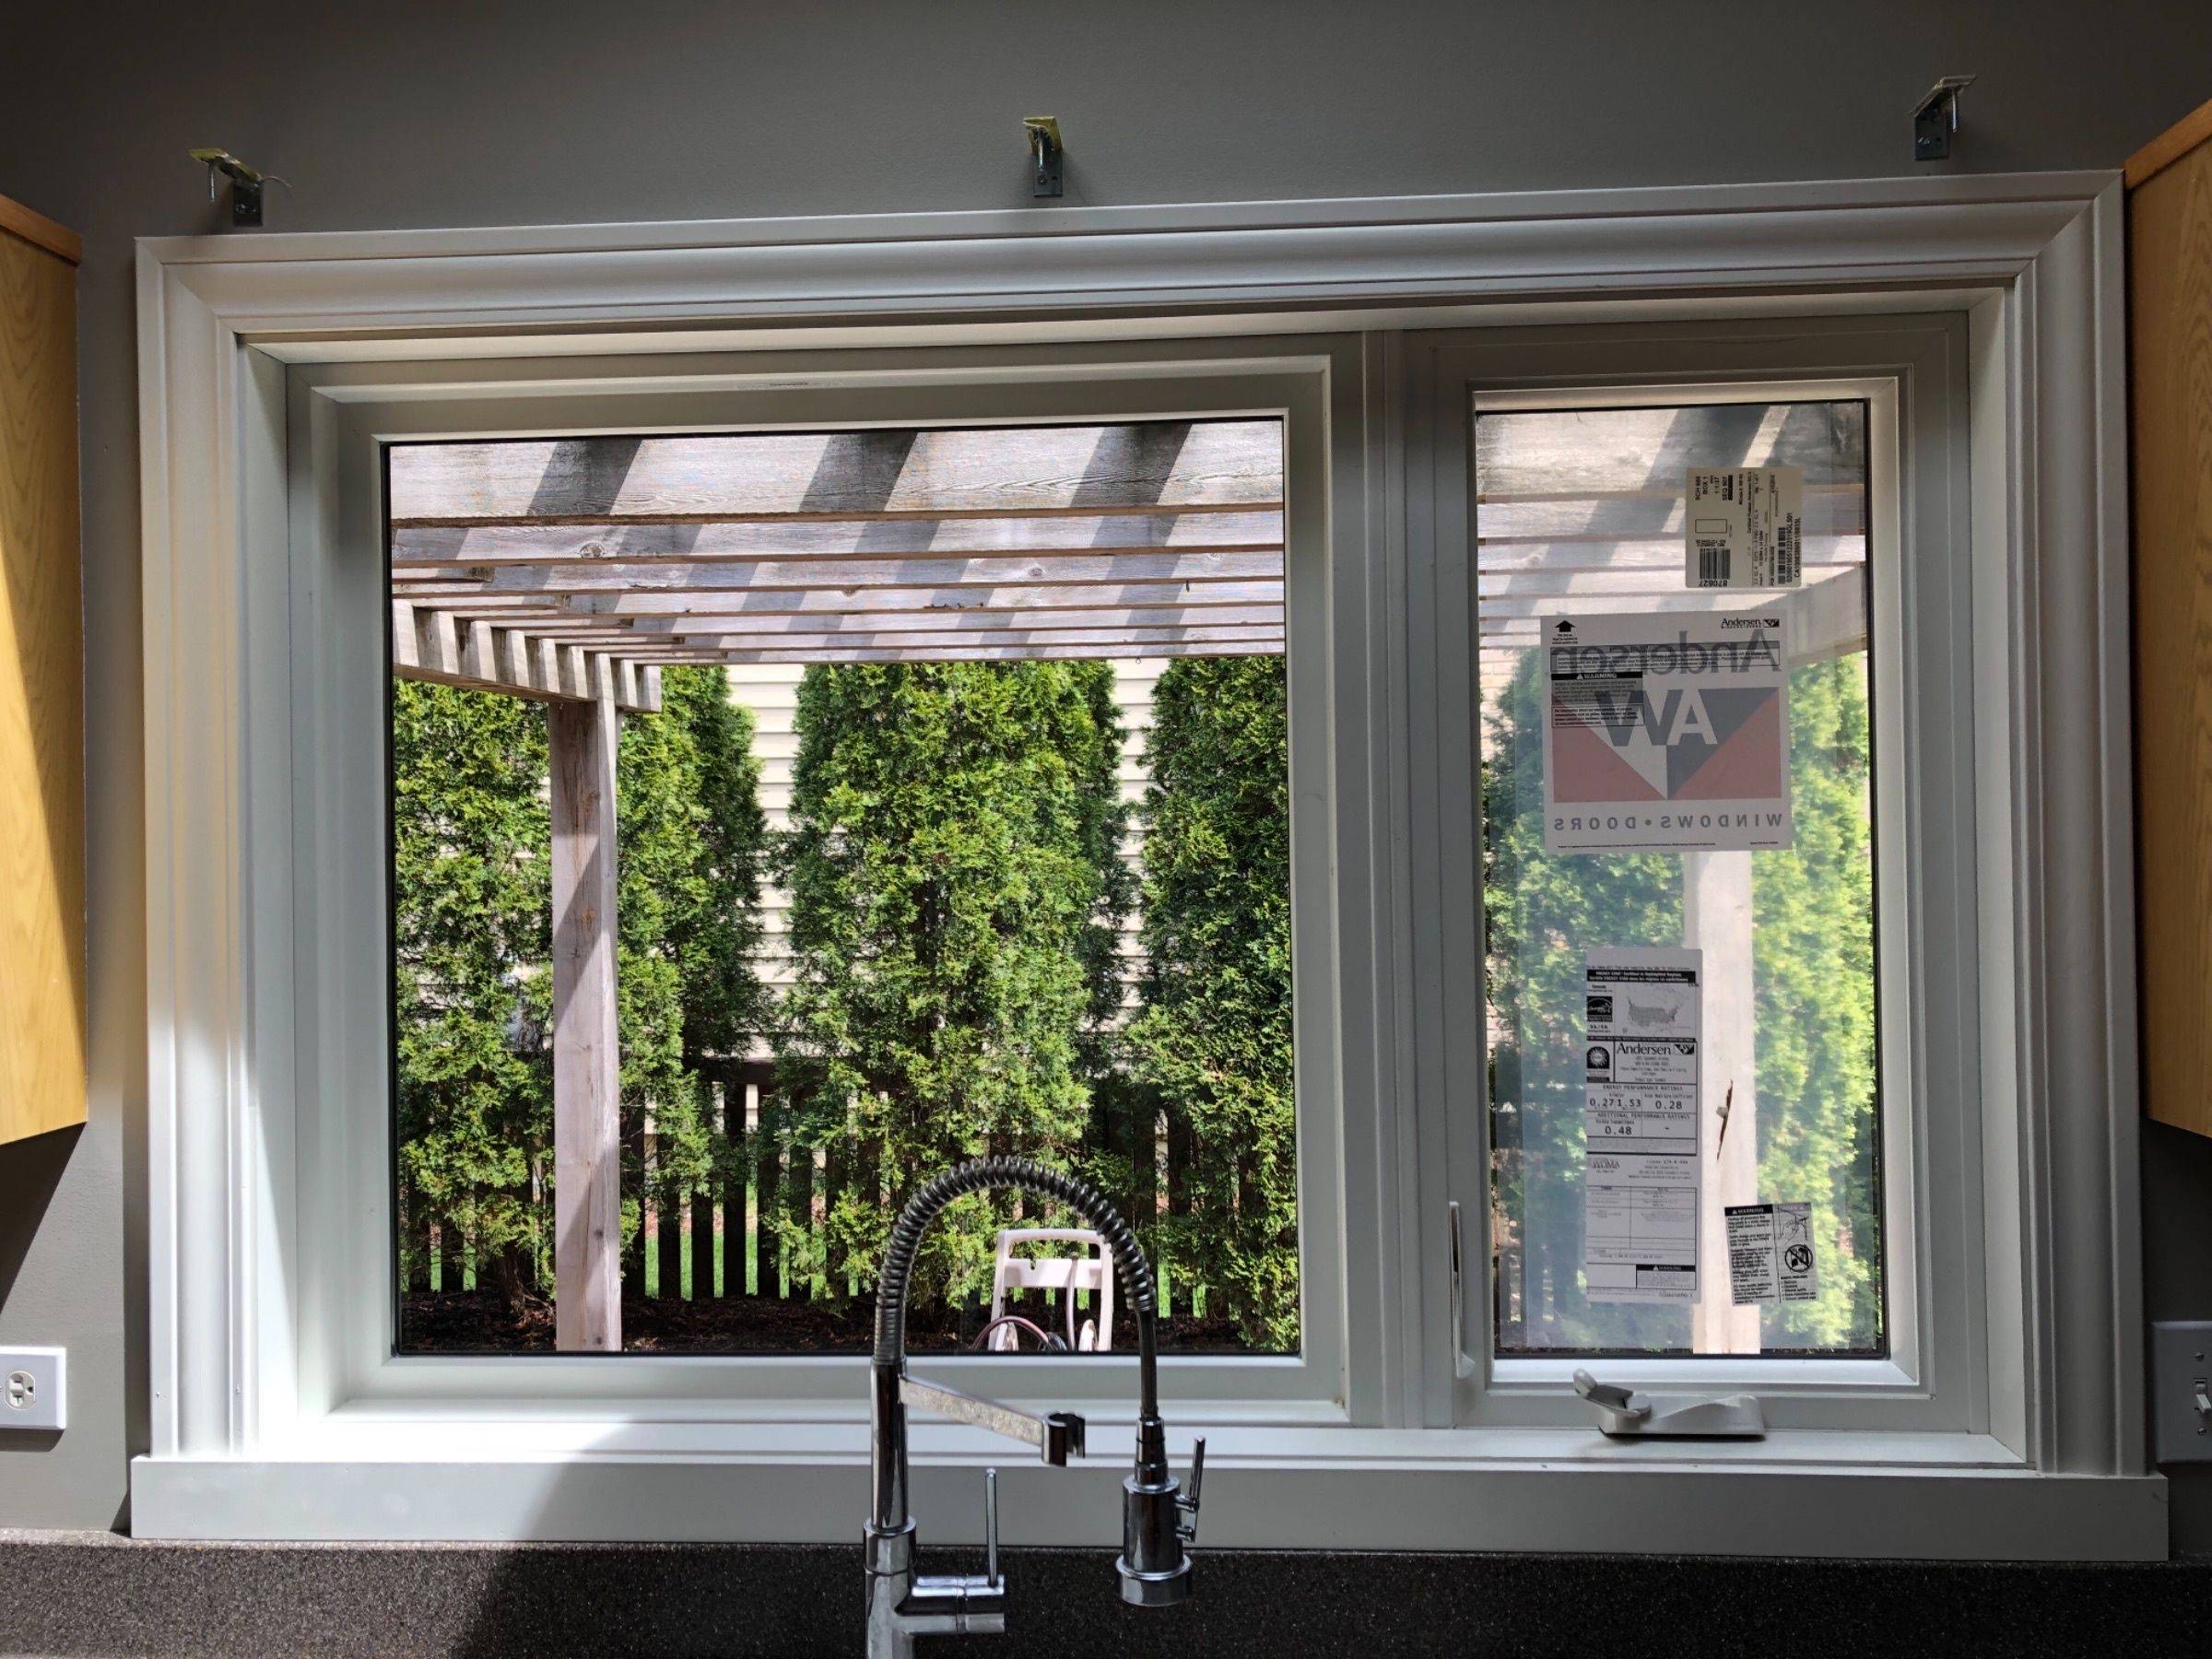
(414, 114)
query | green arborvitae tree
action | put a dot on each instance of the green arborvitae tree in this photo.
(470, 845)
(1813, 991)
(1213, 1039)
(1813, 911)
(473, 924)
(1103, 821)
(1542, 913)
(691, 839)
(716, 931)
(948, 868)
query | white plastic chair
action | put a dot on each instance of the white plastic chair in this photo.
(1069, 1274)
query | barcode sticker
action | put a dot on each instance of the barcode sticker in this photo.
(1744, 527)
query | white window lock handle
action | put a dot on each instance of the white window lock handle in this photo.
(1625, 1413)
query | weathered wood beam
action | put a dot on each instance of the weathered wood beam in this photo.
(1823, 618)
(420, 546)
(1488, 498)
(1599, 452)
(1027, 571)
(587, 1142)
(1646, 548)
(645, 630)
(824, 601)
(1011, 645)
(1826, 619)
(1825, 516)
(1634, 581)
(432, 644)
(1678, 599)
(1645, 555)
(963, 653)
(986, 470)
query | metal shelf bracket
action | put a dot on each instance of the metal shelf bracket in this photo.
(247, 185)
(1044, 154)
(1935, 118)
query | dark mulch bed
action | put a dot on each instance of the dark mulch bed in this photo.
(474, 1323)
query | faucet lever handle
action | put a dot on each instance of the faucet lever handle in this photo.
(1188, 1530)
(991, 1528)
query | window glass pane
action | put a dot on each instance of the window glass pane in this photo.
(1580, 516)
(956, 825)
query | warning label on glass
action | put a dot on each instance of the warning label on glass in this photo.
(1771, 1253)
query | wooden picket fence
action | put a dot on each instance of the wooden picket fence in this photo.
(721, 1226)
(1144, 1156)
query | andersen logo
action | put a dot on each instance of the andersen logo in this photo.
(1756, 652)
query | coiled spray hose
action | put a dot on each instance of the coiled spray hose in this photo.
(985, 1174)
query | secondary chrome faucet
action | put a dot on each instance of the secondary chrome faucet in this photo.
(1155, 1569)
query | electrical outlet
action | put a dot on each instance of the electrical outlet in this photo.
(34, 1388)
(2180, 1372)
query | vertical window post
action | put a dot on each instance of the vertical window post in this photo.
(587, 1144)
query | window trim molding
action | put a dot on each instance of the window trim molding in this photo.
(2036, 261)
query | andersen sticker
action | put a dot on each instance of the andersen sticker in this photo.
(1666, 731)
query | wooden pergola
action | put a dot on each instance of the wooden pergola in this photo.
(573, 571)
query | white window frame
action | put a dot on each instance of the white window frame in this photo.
(2033, 263)
(333, 565)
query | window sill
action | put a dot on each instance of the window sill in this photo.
(411, 1477)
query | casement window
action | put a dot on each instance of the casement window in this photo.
(1825, 1077)
(1915, 1015)
(417, 473)
(1580, 511)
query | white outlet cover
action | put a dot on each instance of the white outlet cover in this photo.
(34, 1389)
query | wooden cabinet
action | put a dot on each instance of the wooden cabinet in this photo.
(2170, 349)
(41, 685)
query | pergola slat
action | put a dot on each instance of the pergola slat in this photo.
(1175, 465)
(1130, 596)
(430, 644)
(1618, 584)
(1066, 570)
(418, 546)
(965, 654)
(812, 645)
(977, 622)
(1825, 618)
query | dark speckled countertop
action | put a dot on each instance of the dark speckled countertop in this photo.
(74, 1593)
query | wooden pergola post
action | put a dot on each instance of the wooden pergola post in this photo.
(587, 1143)
(1716, 920)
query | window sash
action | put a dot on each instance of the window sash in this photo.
(1911, 374)
(346, 1340)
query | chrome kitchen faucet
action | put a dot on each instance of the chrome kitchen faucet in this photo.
(1155, 1569)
